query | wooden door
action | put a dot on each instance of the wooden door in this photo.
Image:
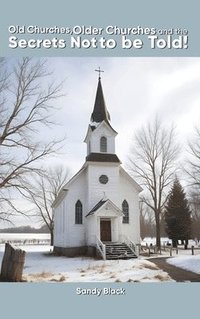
(105, 226)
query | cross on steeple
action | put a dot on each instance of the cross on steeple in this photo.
(100, 71)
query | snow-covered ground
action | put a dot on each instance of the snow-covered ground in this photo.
(41, 265)
(191, 263)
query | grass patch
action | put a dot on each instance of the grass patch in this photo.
(42, 275)
(161, 278)
(152, 267)
(62, 278)
(98, 268)
(82, 271)
(131, 280)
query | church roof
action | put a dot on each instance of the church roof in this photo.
(96, 207)
(102, 157)
(100, 112)
(132, 181)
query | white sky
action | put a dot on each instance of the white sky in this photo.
(135, 91)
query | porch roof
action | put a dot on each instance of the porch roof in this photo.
(100, 204)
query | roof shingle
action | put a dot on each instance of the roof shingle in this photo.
(100, 112)
(102, 157)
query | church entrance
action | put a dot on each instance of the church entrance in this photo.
(105, 230)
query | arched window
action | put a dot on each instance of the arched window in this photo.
(78, 212)
(125, 209)
(103, 144)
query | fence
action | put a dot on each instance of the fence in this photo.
(149, 250)
(20, 242)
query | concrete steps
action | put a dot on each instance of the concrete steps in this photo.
(119, 251)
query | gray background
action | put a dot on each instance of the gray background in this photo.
(127, 13)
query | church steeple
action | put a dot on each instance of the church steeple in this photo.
(100, 112)
(100, 137)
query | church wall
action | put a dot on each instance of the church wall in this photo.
(66, 232)
(96, 190)
(60, 224)
(91, 230)
(128, 192)
(75, 234)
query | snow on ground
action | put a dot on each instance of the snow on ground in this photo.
(191, 263)
(42, 265)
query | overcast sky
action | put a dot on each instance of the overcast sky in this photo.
(135, 91)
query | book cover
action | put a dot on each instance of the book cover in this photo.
(99, 113)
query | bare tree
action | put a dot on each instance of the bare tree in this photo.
(41, 193)
(147, 221)
(27, 102)
(193, 167)
(152, 160)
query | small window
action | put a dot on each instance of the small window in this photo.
(103, 144)
(103, 179)
(78, 212)
(125, 209)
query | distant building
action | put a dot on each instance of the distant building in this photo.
(98, 208)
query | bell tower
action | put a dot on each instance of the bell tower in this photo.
(100, 137)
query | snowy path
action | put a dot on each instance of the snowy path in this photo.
(177, 273)
(191, 263)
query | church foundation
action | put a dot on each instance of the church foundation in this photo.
(89, 251)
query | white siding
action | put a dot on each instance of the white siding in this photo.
(60, 224)
(67, 233)
(127, 191)
(91, 230)
(96, 190)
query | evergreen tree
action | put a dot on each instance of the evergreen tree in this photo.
(178, 215)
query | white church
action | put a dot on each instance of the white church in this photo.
(97, 211)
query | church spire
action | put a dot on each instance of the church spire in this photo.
(100, 112)
(100, 137)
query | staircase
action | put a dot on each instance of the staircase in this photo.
(119, 251)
